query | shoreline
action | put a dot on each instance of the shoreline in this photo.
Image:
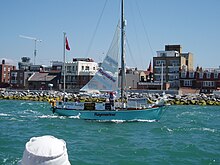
(48, 96)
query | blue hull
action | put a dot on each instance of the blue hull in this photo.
(109, 115)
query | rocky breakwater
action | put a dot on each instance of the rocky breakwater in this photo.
(194, 99)
(31, 95)
(48, 96)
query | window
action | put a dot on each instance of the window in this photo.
(160, 62)
(87, 67)
(176, 70)
(13, 81)
(208, 75)
(14, 74)
(174, 62)
(191, 74)
(73, 68)
(68, 68)
(73, 78)
(187, 83)
(82, 67)
(142, 78)
(208, 83)
(163, 54)
(176, 76)
(216, 75)
(93, 68)
(68, 78)
(201, 75)
(171, 70)
(156, 77)
(171, 77)
(157, 70)
(183, 74)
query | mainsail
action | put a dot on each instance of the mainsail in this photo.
(106, 78)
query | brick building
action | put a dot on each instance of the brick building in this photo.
(5, 70)
(203, 80)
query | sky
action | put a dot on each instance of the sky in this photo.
(90, 26)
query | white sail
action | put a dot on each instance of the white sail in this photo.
(106, 78)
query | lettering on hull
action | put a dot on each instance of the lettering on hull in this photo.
(104, 114)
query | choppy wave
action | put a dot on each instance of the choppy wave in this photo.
(190, 113)
(4, 114)
(75, 117)
(166, 129)
(202, 129)
(121, 121)
(30, 111)
(49, 117)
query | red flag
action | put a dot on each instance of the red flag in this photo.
(67, 45)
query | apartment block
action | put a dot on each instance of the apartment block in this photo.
(168, 64)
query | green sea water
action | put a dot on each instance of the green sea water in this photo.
(184, 135)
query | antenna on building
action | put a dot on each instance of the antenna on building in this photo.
(35, 44)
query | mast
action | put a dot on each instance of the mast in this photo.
(122, 53)
(35, 49)
(64, 61)
(161, 76)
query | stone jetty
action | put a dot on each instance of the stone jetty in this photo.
(47, 96)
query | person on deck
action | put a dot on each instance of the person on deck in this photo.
(111, 99)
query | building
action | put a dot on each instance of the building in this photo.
(132, 77)
(5, 70)
(168, 63)
(146, 81)
(201, 80)
(137, 79)
(78, 73)
(42, 81)
(19, 79)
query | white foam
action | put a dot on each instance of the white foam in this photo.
(48, 116)
(4, 114)
(75, 117)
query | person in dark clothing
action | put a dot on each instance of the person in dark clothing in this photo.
(111, 99)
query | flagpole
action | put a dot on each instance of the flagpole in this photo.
(64, 61)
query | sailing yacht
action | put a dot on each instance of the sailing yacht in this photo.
(106, 79)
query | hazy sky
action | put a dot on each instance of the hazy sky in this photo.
(151, 24)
